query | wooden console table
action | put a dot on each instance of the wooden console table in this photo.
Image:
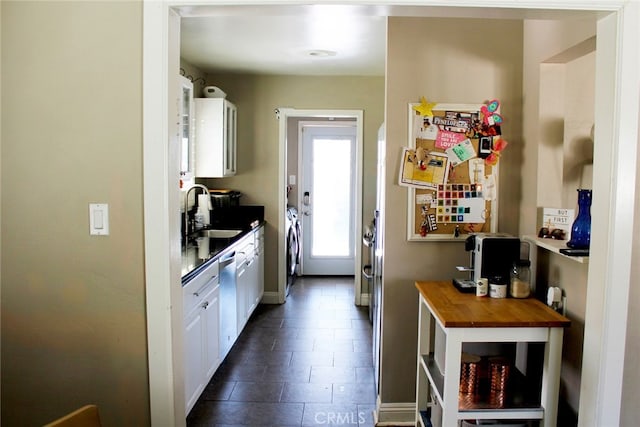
(447, 319)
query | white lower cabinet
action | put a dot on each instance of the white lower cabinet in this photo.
(250, 275)
(244, 259)
(201, 307)
(241, 295)
(194, 358)
(256, 289)
(204, 316)
(211, 314)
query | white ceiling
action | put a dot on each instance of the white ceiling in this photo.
(282, 44)
(279, 39)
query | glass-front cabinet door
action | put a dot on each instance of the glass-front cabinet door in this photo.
(187, 132)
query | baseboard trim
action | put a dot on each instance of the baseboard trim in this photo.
(270, 298)
(364, 299)
(395, 414)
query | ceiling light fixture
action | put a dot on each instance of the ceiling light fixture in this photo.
(321, 53)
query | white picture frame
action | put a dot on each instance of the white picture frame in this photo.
(413, 132)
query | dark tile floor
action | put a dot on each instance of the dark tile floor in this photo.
(303, 363)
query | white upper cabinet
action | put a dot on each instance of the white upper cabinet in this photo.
(215, 138)
(186, 130)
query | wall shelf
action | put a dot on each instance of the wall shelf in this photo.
(554, 246)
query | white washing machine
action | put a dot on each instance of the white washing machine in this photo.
(293, 245)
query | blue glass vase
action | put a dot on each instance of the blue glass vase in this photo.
(581, 228)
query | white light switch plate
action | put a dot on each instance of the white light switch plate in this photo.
(98, 219)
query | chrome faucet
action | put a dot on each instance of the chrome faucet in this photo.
(186, 205)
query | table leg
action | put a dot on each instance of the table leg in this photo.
(453, 352)
(551, 377)
(424, 348)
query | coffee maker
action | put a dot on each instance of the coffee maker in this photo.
(492, 256)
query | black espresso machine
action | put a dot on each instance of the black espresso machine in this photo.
(492, 256)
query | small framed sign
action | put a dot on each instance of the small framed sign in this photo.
(554, 218)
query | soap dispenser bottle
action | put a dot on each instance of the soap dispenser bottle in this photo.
(201, 217)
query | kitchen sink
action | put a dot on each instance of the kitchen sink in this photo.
(218, 234)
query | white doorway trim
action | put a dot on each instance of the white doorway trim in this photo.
(284, 114)
(165, 372)
(161, 50)
(307, 127)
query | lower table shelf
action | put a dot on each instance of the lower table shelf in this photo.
(518, 401)
(425, 417)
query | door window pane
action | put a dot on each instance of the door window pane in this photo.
(332, 186)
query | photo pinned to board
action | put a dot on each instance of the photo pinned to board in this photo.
(456, 121)
(422, 169)
(446, 139)
(498, 144)
(429, 222)
(424, 128)
(461, 152)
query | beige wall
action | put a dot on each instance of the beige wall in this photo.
(631, 383)
(445, 60)
(73, 305)
(0, 209)
(559, 81)
(545, 40)
(257, 97)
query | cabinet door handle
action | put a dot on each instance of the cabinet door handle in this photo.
(201, 290)
(210, 281)
(227, 259)
(205, 304)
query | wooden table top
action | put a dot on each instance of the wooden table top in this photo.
(456, 309)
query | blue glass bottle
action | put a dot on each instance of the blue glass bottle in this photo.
(581, 228)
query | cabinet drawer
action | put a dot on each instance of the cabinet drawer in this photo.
(244, 254)
(194, 291)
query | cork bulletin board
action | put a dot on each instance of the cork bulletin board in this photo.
(451, 170)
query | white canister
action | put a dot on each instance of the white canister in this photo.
(482, 287)
(497, 291)
(213, 92)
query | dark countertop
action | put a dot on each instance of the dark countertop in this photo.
(198, 253)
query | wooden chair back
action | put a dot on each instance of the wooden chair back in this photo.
(87, 416)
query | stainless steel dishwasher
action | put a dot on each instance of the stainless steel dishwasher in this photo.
(228, 309)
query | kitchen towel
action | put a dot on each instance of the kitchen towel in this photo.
(204, 205)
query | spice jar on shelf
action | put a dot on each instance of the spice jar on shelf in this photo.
(521, 279)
